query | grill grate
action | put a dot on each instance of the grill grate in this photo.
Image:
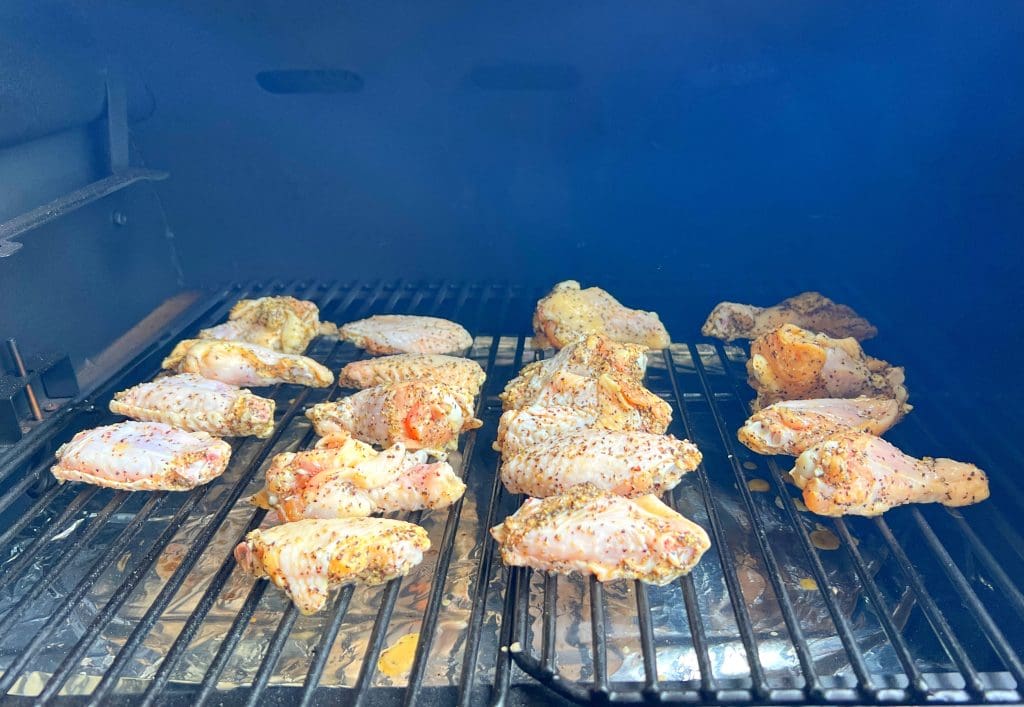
(111, 597)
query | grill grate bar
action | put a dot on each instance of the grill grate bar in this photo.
(550, 629)
(323, 649)
(935, 616)
(599, 636)
(1012, 594)
(377, 636)
(15, 492)
(864, 680)
(708, 685)
(650, 655)
(269, 662)
(743, 622)
(231, 639)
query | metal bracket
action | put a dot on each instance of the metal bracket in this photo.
(121, 173)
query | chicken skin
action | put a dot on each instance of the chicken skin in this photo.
(591, 531)
(194, 403)
(345, 478)
(810, 310)
(857, 473)
(790, 363)
(239, 363)
(404, 333)
(791, 426)
(420, 414)
(463, 373)
(626, 463)
(568, 312)
(519, 429)
(284, 324)
(142, 456)
(308, 558)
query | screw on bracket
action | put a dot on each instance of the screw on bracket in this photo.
(120, 218)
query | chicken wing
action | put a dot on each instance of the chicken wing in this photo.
(345, 478)
(810, 310)
(592, 531)
(463, 373)
(239, 363)
(420, 414)
(857, 473)
(194, 403)
(520, 429)
(790, 363)
(308, 558)
(791, 426)
(284, 324)
(404, 333)
(568, 312)
(627, 463)
(142, 456)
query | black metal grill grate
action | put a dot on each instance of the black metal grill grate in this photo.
(111, 597)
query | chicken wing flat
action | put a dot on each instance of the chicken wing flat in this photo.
(404, 333)
(345, 478)
(626, 463)
(856, 473)
(591, 531)
(308, 558)
(791, 426)
(457, 372)
(284, 324)
(810, 310)
(790, 363)
(239, 363)
(420, 414)
(198, 404)
(142, 456)
(587, 357)
(568, 312)
(520, 429)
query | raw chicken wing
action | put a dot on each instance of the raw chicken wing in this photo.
(308, 558)
(627, 463)
(790, 363)
(463, 373)
(857, 473)
(199, 404)
(791, 426)
(810, 310)
(142, 456)
(283, 324)
(404, 333)
(420, 414)
(344, 477)
(568, 312)
(239, 363)
(519, 429)
(592, 531)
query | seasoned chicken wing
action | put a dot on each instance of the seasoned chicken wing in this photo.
(283, 324)
(857, 473)
(199, 404)
(142, 456)
(344, 477)
(592, 531)
(520, 429)
(810, 310)
(405, 333)
(790, 363)
(308, 558)
(568, 312)
(463, 373)
(239, 363)
(791, 426)
(420, 414)
(627, 463)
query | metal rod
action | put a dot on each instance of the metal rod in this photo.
(19, 364)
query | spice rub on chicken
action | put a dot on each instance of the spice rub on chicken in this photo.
(857, 473)
(809, 310)
(790, 363)
(239, 363)
(142, 456)
(284, 324)
(627, 463)
(308, 558)
(569, 312)
(405, 333)
(455, 371)
(592, 531)
(420, 414)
